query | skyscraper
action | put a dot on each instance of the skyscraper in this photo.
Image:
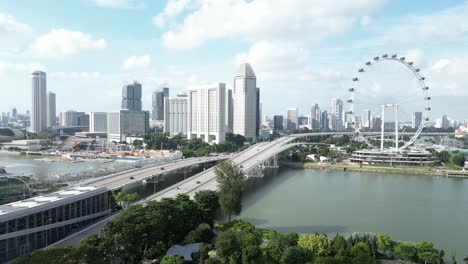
(366, 119)
(245, 102)
(315, 116)
(291, 121)
(126, 123)
(336, 112)
(324, 121)
(175, 115)
(14, 113)
(131, 96)
(98, 122)
(278, 122)
(206, 112)
(39, 102)
(259, 109)
(158, 103)
(417, 119)
(229, 111)
(51, 110)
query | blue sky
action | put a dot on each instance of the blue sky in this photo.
(303, 51)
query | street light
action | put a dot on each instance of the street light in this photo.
(25, 183)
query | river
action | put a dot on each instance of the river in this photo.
(410, 208)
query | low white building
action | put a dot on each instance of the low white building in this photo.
(207, 112)
(26, 145)
(175, 115)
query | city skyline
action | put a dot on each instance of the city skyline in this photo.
(97, 61)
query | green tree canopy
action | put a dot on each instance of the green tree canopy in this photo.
(172, 260)
(459, 160)
(318, 245)
(230, 179)
(405, 251)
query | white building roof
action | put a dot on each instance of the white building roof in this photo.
(245, 70)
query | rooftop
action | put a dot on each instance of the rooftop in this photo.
(245, 70)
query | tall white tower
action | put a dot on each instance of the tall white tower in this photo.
(245, 102)
(39, 102)
(51, 110)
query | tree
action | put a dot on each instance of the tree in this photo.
(318, 245)
(138, 144)
(361, 254)
(405, 251)
(230, 179)
(276, 247)
(250, 241)
(228, 246)
(444, 156)
(202, 233)
(426, 251)
(459, 160)
(125, 199)
(384, 242)
(293, 255)
(172, 260)
(340, 247)
(208, 204)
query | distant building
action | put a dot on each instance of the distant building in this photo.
(51, 110)
(324, 126)
(69, 118)
(131, 96)
(158, 103)
(126, 123)
(278, 122)
(245, 102)
(291, 120)
(366, 119)
(14, 113)
(442, 122)
(206, 112)
(229, 111)
(376, 123)
(175, 115)
(259, 113)
(416, 120)
(315, 117)
(39, 102)
(336, 120)
(98, 122)
(303, 121)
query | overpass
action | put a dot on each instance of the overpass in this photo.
(253, 160)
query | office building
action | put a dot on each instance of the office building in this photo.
(73, 118)
(259, 112)
(324, 126)
(315, 116)
(157, 112)
(39, 102)
(336, 120)
(229, 111)
(278, 122)
(40, 221)
(376, 123)
(416, 120)
(126, 123)
(245, 102)
(98, 122)
(442, 122)
(291, 120)
(366, 119)
(51, 110)
(175, 115)
(131, 96)
(207, 112)
(14, 113)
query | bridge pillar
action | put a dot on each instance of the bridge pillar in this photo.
(271, 163)
(257, 172)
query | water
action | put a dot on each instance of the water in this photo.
(410, 208)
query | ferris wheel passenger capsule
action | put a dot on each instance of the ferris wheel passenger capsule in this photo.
(351, 89)
(368, 63)
(355, 79)
(427, 98)
(417, 70)
(350, 101)
(394, 56)
(376, 58)
(361, 70)
(426, 88)
(402, 58)
(385, 56)
(410, 63)
(423, 78)
(428, 109)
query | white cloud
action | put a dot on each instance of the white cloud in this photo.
(62, 43)
(8, 24)
(136, 62)
(120, 3)
(305, 20)
(23, 68)
(414, 55)
(172, 8)
(75, 75)
(366, 20)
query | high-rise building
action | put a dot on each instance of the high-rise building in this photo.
(158, 103)
(324, 126)
(98, 122)
(229, 111)
(206, 112)
(366, 119)
(376, 124)
(69, 118)
(14, 113)
(175, 115)
(131, 96)
(416, 120)
(245, 102)
(51, 110)
(259, 113)
(126, 123)
(278, 122)
(442, 122)
(336, 120)
(39, 102)
(315, 117)
(291, 120)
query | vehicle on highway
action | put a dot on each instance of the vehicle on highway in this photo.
(162, 168)
(131, 178)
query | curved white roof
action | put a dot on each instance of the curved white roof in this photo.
(245, 70)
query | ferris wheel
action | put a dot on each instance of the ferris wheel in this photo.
(420, 96)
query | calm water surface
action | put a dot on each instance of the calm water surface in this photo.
(412, 208)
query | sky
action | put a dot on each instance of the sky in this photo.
(302, 51)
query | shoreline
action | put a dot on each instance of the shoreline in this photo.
(424, 171)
